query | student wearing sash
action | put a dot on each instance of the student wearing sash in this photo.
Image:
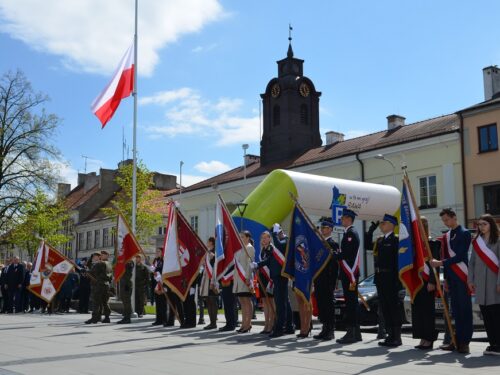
(484, 279)
(243, 280)
(324, 286)
(284, 320)
(387, 280)
(349, 276)
(265, 283)
(208, 291)
(455, 260)
(423, 308)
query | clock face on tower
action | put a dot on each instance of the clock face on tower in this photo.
(275, 90)
(304, 90)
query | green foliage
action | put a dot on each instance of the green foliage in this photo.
(148, 217)
(42, 219)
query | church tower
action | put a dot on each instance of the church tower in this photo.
(290, 113)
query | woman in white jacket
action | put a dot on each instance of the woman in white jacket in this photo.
(243, 287)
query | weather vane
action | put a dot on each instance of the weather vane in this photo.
(290, 28)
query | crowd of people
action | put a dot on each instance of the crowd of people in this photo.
(285, 310)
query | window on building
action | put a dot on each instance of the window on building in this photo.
(97, 238)
(105, 237)
(492, 199)
(276, 115)
(89, 240)
(113, 237)
(194, 223)
(80, 243)
(428, 192)
(488, 138)
(304, 115)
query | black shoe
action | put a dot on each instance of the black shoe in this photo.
(210, 326)
(201, 321)
(156, 324)
(290, 331)
(226, 329)
(425, 347)
(320, 335)
(91, 321)
(349, 337)
(447, 347)
(187, 326)
(264, 332)
(106, 320)
(124, 321)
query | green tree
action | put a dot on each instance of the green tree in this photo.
(27, 155)
(149, 200)
(42, 218)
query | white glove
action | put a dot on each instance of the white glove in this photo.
(276, 228)
(253, 265)
(158, 277)
(192, 291)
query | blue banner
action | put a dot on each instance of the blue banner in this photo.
(306, 255)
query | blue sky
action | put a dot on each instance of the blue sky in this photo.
(203, 64)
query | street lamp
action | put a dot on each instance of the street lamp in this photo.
(245, 148)
(382, 157)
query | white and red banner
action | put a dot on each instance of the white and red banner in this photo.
(485, 253)
(120, 87)
(49, 273)
(184, 253)
(127, 247)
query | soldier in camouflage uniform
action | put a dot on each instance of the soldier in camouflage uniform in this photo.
(141, 280)
(99, 294)
(126, 293)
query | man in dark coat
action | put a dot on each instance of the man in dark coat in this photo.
(15, 279)
(349, 276)
(385, 257)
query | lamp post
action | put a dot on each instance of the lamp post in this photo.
(382, 157)
(245, 148)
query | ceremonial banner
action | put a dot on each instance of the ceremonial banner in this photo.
(306, 254)
(50, 270)
(121, 86)
(227, 239)
(411, 252)
(127, 247)
(184, 253)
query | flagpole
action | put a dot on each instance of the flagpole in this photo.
(134, 153)
(425, 241)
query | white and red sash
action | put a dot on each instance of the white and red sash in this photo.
(240, 270)
(351, 273)
(278, 255)
(460, 269)
(426, 273)
(228, 277)
(485, 253)
(208, 268)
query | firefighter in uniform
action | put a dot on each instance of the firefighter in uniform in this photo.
(385, 256)
(324, 286)
(349, 275)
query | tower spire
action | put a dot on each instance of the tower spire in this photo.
(290, 50)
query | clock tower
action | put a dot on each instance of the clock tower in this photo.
(290, 113)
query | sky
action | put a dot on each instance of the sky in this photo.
(203, 64)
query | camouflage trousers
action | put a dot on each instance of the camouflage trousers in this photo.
(126, 297)
(99, 295)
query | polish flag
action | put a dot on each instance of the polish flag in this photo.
(121, 86)
(127, 247)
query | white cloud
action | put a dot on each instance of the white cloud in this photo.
(194, 114)
(165, 97)
(92, 35)
(67, 173)
(213, 167)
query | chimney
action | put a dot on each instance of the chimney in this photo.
(88, 180)
(395, 121)
(250, 159)
(63, 190)
(333, 137)
(491, 79)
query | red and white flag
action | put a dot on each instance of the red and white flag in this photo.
(120, 87)
(50, 271)
(127, 247)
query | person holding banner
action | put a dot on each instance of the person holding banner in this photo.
(266, 283)
(349, 276)
(455, 260)
(243, 287)
(484, 279)
(385, 257)
(208, 291)
(324, 286)
(126, 293)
